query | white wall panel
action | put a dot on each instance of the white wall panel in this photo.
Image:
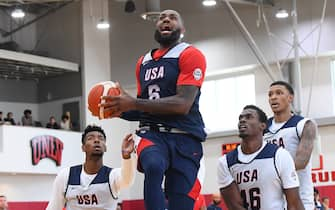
(16, 153)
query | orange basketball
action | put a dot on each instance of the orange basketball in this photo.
(94, 97)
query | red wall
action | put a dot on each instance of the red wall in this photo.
(328, 191)
(27, 205)
(133, 204)
(139, 204)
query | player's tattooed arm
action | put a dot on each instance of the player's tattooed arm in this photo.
(179, 104)
(305, 147)
(232, 197)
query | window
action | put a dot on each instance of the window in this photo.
(332, 72)
(222, 101)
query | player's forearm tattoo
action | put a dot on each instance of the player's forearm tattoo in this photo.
(306, 145)
(187, 91)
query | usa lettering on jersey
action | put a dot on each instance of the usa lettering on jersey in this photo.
(278, 141)
(154, 73)
(247, 176)
(87, 199)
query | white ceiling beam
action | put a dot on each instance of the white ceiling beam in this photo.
(34, 59)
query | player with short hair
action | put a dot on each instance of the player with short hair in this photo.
(263, 172)
(92, 185)
(294, 133)
(3, 202)
(167, 105)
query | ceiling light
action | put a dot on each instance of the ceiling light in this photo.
(129, 6)
(209, 3)
(102, 24)
(150, 16)
(281, 13)
(18, 13)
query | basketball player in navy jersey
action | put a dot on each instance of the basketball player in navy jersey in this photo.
(294, 133)
(167, 106)
(93, 185)
(263, 172)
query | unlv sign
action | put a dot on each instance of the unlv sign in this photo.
(46, 147)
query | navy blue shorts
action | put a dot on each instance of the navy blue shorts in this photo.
(181, 154)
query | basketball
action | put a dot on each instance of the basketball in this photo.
(94, 97)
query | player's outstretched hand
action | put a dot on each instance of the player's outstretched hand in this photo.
(115, 105)
(128, 146)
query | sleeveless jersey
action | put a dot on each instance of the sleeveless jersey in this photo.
(288, 137)
(158, 79)
(255, 178)
(96, 196)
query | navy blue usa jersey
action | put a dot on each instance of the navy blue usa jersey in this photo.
(159, 78)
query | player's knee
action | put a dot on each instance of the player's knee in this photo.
(152, 163)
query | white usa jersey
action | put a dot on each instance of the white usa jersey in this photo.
(261, 176)
(97, 195)
(288, 136)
